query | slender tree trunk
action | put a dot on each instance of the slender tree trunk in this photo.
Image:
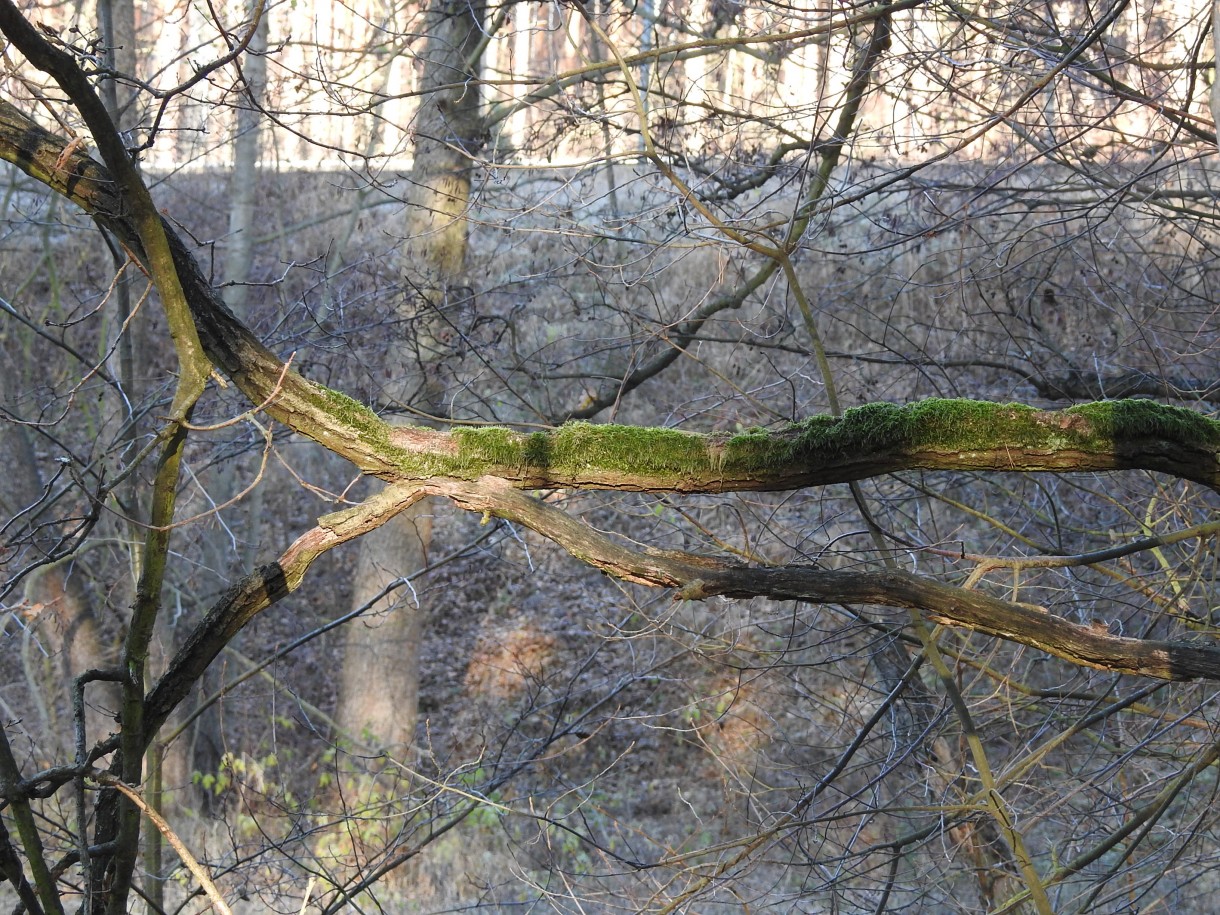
(1214, 97)
(171, 767)
(243, 181)
(378, 698)
(117, 24)
(199, 750)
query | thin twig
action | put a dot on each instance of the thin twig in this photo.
(197, 869)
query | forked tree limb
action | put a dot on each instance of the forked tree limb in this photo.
(693, 577)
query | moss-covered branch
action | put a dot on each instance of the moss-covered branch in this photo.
(870, 440)
(866, 441)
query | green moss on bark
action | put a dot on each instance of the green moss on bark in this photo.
(580, 447)
(585, 450)
(350, 412)
(966, 426)
(1118, 420)
(948, 425)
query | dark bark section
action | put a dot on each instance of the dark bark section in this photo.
(1090, 646)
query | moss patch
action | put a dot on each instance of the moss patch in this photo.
(580, 447)
(965, 426)
(348, 411)
(587, 450)
(947, 425)
(1118, 420)
(488, 445)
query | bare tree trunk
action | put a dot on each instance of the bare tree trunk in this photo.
(1214, 96)
(203, 751)
(117, 24)
(380, 680)
(243, 182)
(379, 690)
(199, 750)
(171, 767)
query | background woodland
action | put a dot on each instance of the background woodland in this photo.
(671, 456)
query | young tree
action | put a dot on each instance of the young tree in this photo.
(927, 646)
